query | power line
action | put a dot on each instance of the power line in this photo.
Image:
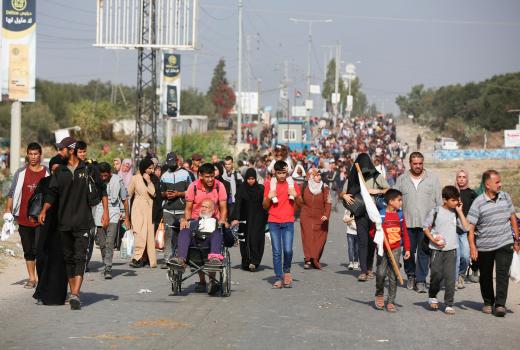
(215, 18)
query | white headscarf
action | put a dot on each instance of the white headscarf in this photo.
(314, 187)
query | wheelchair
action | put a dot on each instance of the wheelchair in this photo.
(197, 259)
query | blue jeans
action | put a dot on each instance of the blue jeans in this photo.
(282, 235)
(462, 256)
(418, 264)
(352, 248)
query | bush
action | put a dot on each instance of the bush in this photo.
(205, 144)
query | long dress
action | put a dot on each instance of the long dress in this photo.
(141, 217)
(314, 231)
(50, 263)
(248, 207)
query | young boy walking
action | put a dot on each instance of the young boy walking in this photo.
(395, 231)
(281, 222)
(440, 227)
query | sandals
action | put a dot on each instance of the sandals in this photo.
(390, 307)
(278, 285)
(30, 285)
(370, 275)
(380, 302)
(362, 277)
(287, 280)
(434, 304)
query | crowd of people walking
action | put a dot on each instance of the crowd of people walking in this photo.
(446, 233)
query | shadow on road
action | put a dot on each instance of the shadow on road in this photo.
(89, 298)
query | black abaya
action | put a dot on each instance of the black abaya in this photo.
(50, 264)
(248, 207)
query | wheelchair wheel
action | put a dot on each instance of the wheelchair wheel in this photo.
(225, 275)
(176, 280)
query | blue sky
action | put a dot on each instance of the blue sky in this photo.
(399, 43)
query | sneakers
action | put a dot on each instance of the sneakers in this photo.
(252, 267)
(287, 280)
(75, 303)
(350, 266)
(473, 277)
(460, 282)
(108, 273)
(421, 287)
(410, 284)
(449, 310)
(356, 265)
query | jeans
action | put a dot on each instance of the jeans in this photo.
(462, 256)
(352, 248)
(502, 257)
(106, 239)
(384, 268)
(170, 233)
(442, 267)
(417, 265)
(365, 243)
(282, 235)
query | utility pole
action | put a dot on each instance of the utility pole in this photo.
(194, 70)
(239, 104)
(336, 83)
(16, 132)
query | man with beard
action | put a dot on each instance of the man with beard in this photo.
(174, 183)
(69, 187)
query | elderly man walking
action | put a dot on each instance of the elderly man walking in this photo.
(492, 219)
(421, 193)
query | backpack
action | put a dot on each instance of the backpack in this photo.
(425, 243)
(382, 213)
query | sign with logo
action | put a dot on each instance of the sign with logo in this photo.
(18, 72)
(170, 85)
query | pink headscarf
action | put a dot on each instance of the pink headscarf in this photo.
(126, 176)
(466, 185)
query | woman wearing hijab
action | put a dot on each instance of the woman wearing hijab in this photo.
(142, 189)
(376, 185)
(314, 219)
(467, 196)
(248, 207)
(50, 263)
(126, 171)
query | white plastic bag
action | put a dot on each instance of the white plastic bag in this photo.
(514, 273)
(127, 245)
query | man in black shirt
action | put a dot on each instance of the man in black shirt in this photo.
(69, 188)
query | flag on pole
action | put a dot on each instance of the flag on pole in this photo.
(373, 214)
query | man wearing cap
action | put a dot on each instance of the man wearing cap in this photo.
(234, 178)
(174, 183)
(62, 150)
(69, 187)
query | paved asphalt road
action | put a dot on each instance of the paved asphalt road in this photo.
(326, 309)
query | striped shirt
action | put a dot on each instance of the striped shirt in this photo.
(492, 220)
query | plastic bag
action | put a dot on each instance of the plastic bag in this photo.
(127, 245)
(159, 237)
(514, 272)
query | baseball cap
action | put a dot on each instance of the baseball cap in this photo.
(171, 158)
(67, 142)
(196, 156)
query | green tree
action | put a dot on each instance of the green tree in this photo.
(220, 93)
(94, 119)
(360, 103)
(205, 144)
(38, 123)
(195, 102)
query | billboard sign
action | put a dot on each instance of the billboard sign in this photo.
(170, 85)
(18, 72)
